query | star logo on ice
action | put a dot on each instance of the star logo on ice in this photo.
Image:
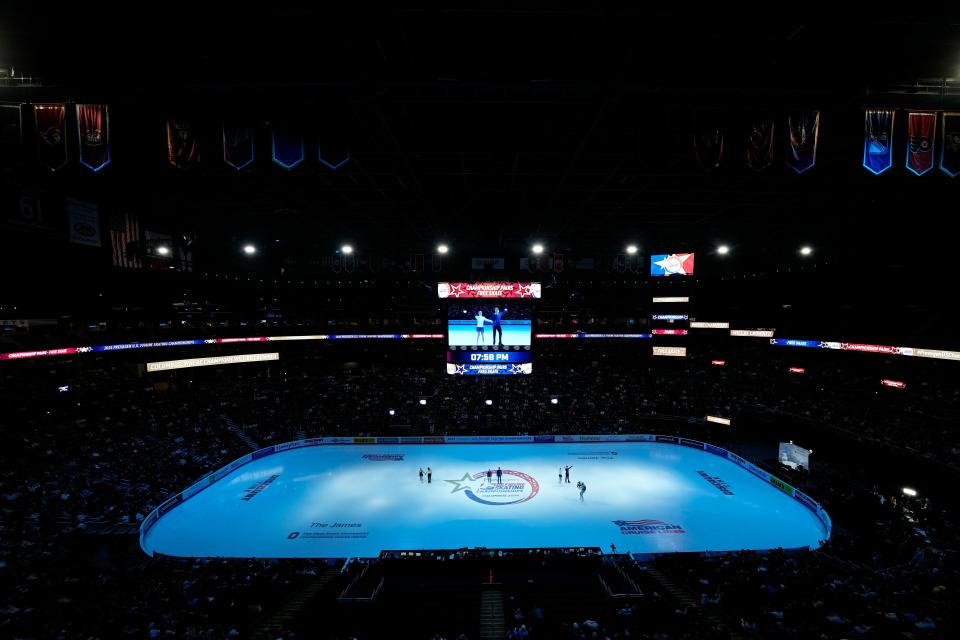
(675, 263)
(462, 484)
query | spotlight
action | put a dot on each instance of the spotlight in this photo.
(554, 401)
(537, 248)
(392, 412)
(806, 250)
(346, 249)
(631, 249)
(909, 492)
(249, 249)
(723, 249)
(163, 250)
(488, 402)
(442, 248)
(423, 402)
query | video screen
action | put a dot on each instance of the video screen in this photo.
(488, 324)
(489, 337)
(671, 264)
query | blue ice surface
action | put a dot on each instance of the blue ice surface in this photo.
(340, 501)
(464, 333)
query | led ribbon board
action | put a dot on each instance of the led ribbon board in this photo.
(167, 365)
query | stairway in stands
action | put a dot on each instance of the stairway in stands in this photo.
(271, 626)
(684, 598)
(491, 613)
(232, 426)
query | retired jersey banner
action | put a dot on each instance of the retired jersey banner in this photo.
(237, 146)
(84, 222)
(287, 147)
(708, 146)
(759, 143)
(11, 142)
(51, 122)
(183, 143)
(93, 126)
(803, 129)
(950, 151)
(878, 140)
(921, 130)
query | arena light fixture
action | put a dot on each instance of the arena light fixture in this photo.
(163, 250)
(423, 402)
(392, 412)
(723, 249)
(249, 249)
(537, 248)
(909, 492)
(554, 401)
(631, 249)
(346, 249)
(806, 250)
(442, 249)
(488, 402)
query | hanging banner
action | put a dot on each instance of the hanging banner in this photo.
(921, 130)
(11, 143)
(287, 148)
(237, 146)
(708, 146)
(183, 143)
(759, 143)
(332, 158)
(84, 222)
(878, 140)
(950, 152)
(93, 126)
(51, 122)
(125, 241)
(803, 129)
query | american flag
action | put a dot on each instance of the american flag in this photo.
(125, 240)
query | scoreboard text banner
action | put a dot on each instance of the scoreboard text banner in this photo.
(488, 289)
(679, 352)
(189, 363)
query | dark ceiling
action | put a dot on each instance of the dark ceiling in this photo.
(490, 128)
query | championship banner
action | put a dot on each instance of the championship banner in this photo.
(84, 223)
(708, 146)
(488, 289)
(921, 130)
(759, 143)
(11, 143)
(51, 122)
(287, 148)
(878, 140)
(237, 146)
(183, 143)
(803, 129)
(950, 152)
(93, 127)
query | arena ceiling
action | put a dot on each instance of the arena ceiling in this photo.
(490, 128)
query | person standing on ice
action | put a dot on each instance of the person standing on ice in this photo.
(499, 476)
(583, 489)
(421, 474)
(567, 471)
(429, 474)
(489, 476)
(560, 475)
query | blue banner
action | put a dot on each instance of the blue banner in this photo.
(287, 148)
(878, 140)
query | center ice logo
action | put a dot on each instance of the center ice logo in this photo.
(514, 487)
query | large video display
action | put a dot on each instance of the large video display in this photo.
(671, 264)
(488, 337)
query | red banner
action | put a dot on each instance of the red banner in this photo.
(488, 289)
(183, 143)
(51, 122)
(708, 146)
(921, 131)
(93, 125)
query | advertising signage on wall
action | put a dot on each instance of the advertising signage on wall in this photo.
(488, 289)
(167, 365)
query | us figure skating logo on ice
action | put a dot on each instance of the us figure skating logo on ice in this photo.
(511, 487)
(646, 527)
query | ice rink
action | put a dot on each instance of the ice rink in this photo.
(356, 500)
